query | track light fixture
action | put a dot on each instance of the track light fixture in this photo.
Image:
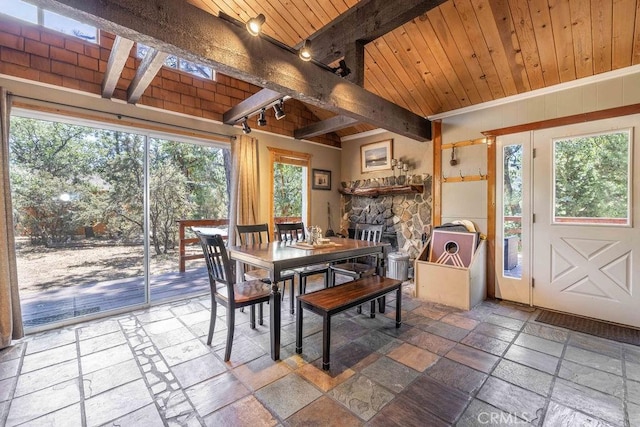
(254, 25)
(278, 109)
(342, 70)
(262, 120)
(245, 127)
(305, 51)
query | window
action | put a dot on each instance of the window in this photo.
(172, 61)
(512, 201)
(289, 195)
(591, 178)
(21, 10)
(97, 211)
(35, 15)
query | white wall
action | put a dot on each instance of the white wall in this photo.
(415, 152)
(467, 200)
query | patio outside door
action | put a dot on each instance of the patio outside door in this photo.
(585, 264)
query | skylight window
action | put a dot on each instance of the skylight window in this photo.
(172, 61)
(35, 15)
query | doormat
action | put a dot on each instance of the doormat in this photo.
(606, 330)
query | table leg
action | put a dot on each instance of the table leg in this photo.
(372, 313)
(299, 327)
(399, 307)
(292, 292)
(326, 341)
(274, 304)
(382, 302)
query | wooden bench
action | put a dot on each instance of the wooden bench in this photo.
(334, 300)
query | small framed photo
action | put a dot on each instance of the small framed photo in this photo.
(321, 179)
(376, 156)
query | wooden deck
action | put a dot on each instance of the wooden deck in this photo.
(60, 304)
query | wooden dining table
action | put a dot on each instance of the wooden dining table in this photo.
(277, 257)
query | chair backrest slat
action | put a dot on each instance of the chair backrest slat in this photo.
(218, 266)
(288, 231)
(370, 232)
(253, 234)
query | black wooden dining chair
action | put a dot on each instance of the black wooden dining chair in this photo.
(256, 234)
(292, 231)
(361, 267)
(358, 268)
(226, 292)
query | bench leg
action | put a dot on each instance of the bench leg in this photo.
(398, 307)
(326, 341)
(299, 328)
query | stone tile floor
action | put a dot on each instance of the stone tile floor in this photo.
(493, 365)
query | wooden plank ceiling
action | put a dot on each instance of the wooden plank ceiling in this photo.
(465, 52)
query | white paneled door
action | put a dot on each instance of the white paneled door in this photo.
(586, 235)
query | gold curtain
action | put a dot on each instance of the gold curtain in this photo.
(10, 314)
(244, 203)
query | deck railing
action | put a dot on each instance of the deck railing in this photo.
(184, 241)
(188, 241)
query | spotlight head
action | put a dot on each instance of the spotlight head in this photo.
(262, 120)
(344, 71)
(245, 127)
(278, 109)
(305, 51)
(254, 25)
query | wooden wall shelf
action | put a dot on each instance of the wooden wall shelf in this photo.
(382, 191)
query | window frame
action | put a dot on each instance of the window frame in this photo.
(594, 221)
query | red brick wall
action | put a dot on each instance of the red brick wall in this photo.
(35, 53)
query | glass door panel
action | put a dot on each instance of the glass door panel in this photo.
(77, 195)
(187, 187)
(513, 218)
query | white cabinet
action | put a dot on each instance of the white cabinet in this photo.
(453, 286)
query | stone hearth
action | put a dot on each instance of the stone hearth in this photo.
(408, 216)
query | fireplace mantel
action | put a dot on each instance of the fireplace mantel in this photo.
(382, 191)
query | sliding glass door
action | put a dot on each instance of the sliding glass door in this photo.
(97, 213)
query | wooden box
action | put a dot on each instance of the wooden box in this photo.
(449, 285)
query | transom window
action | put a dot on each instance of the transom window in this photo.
(592, 178)
(172, 61)
(36, 15)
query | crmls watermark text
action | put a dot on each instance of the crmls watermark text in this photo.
(498, 418)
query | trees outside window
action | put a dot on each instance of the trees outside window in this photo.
(591, 178)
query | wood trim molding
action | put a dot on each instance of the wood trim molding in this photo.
(566, 120)
(464, 143)
(491, 217)
(436, 190)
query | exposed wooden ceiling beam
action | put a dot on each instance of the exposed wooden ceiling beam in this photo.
(365, 22)
(182, 29)
(250, 105)
(117, 59)
(323, 127)
(149, 67)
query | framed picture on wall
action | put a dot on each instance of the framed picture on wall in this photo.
(320, 179)
(376, 156)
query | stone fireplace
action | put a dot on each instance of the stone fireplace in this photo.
(405, 210)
